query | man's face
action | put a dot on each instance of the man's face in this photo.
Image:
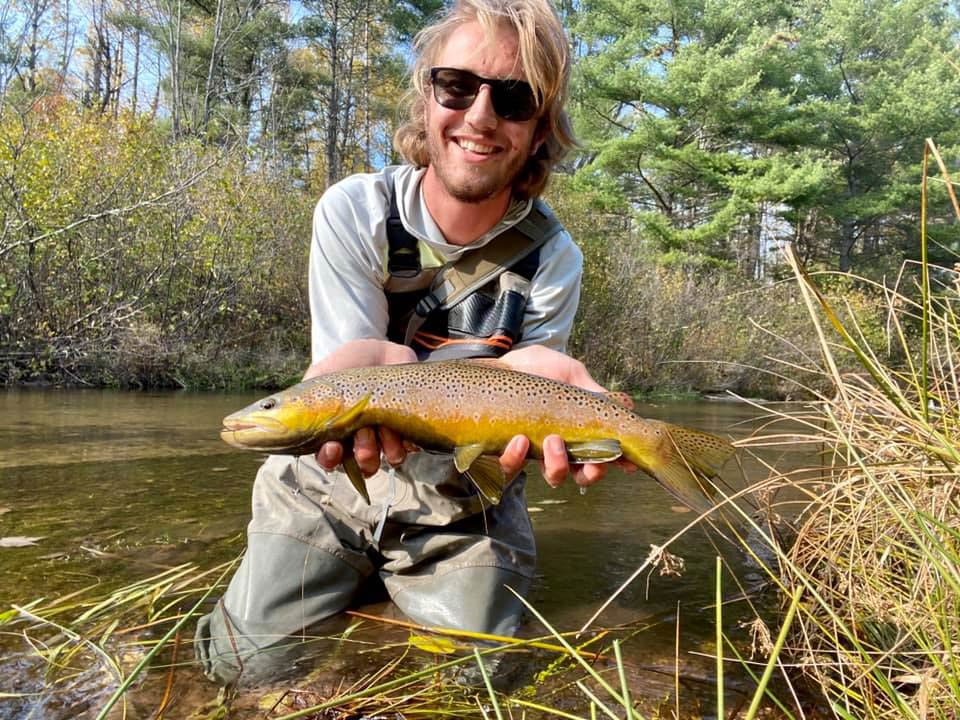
(475, 154)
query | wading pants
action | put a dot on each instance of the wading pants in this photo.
(445, 556)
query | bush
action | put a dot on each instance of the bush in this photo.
(133, 260)
(678, 323)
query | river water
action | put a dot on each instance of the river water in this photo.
(118, 486)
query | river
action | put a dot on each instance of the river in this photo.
(116, 486)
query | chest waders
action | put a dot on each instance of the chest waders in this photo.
(445, 559)
(469, 308)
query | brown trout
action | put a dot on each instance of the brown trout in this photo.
(472, 409)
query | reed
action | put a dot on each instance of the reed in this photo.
(121, 647)
(875, 529)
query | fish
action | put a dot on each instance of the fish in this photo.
(472, 409)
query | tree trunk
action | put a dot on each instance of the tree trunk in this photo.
(214, 54)
(333, 101)
(848, 238)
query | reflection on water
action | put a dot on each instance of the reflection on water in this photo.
(118, 484)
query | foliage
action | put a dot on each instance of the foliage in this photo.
(675, 321)
(871, 536)
(128, 259)
(731, 128)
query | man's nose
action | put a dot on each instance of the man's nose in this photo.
(481, 114)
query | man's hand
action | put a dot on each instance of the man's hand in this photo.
(367, 442)
(540, 360)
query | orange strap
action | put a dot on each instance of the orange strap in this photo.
(432, 342)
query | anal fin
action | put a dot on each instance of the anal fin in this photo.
(594, 451)
(465, 455)
(483, 471)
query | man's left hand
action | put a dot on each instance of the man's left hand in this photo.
(556, 466)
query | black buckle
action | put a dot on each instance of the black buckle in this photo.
(426, 305)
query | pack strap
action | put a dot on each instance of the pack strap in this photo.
(473, 270)
(403, 258)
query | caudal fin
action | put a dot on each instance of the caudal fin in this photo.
(685, 462)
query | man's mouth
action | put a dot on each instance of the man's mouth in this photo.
(476, 147)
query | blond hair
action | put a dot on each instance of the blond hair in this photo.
(544, 58)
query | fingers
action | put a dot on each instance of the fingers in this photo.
(368, 444)
(515, 455)
(393, 446)
(330, 455)
(577, 374)
(555, 464)
(541, 360)
(588, 474)
(366, 450)
(314, 370)
(394, 354)
(361, 353)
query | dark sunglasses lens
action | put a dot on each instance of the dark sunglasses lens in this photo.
(455, 90)
(514, 100)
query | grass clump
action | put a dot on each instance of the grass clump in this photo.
(875, 548)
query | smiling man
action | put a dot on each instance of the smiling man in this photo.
(450, 255)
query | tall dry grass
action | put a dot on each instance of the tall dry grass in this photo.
(875, 543)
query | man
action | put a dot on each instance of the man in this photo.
(486, 127)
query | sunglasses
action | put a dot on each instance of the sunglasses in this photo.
(457, 89)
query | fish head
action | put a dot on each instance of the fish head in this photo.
(294, 421)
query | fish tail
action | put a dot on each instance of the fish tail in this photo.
(684, 461)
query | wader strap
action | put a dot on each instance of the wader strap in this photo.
(403, 255)
(472, 271)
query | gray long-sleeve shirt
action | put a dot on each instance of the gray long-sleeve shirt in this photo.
(348, 256)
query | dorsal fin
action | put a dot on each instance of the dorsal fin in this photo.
(620, 398)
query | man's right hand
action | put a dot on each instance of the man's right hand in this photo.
(367, 442)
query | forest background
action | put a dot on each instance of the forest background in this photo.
(160, 160)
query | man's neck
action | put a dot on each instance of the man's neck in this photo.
(461, 222)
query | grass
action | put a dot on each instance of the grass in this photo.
(129, 640)
(874, 550)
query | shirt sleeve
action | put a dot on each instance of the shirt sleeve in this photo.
(347, 301)
(554, 295)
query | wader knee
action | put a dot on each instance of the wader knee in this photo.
(474, 598)
(282, 586)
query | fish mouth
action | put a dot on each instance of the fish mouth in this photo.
(237, 426)
(253, 432)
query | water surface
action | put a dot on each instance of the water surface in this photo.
(119, 485)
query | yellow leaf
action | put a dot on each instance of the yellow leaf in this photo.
(435, 645)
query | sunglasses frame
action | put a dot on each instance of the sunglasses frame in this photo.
(503, 94)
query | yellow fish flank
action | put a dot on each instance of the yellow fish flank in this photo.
(472, 409)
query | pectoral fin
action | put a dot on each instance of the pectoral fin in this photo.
(353, 472)
(350, 414)
(594, 451)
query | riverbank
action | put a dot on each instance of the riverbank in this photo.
(197, 278)
(652, 329)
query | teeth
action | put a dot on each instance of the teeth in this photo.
(477, 147)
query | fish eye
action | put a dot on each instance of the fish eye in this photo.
(268, 404)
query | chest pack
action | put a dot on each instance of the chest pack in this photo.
(472, 307)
